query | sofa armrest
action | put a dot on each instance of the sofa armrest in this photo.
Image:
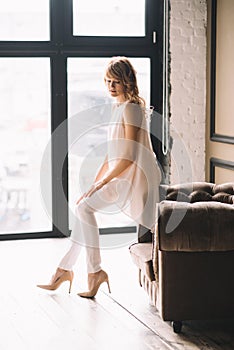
(196, 227)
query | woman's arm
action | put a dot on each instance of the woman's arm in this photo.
(104, 168)
(102, 171)
(122, 165)
(132, 119)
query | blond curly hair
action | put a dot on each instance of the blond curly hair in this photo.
(121, 68)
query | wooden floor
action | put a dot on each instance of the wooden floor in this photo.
(34, 319)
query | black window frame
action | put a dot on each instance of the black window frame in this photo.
(63, 45)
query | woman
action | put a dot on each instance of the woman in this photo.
(129, 177)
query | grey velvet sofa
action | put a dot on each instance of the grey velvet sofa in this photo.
(187, 265)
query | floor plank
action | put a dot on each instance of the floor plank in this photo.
(31, 318)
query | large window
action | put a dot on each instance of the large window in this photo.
(52, 60)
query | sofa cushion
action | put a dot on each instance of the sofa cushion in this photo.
(223, 197)
(141, 254)
(194, 196)
(226, 187)
(188, 188)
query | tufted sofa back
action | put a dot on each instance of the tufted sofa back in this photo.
(201, 192)
(197, 216)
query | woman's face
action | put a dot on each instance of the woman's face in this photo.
(115, 88)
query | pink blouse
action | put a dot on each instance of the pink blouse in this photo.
(143, 176)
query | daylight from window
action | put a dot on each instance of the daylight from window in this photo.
(109, 17)
(24, 20)
(24, 133)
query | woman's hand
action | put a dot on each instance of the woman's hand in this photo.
(95, 187)
(80, 199)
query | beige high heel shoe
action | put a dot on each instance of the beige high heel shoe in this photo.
(59, 277)
(94, 282)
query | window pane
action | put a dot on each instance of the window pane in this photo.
(88, 110)
(109, 17)
(24, 20)
(24, 133)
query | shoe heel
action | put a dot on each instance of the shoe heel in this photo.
(70, 287)
(108, 284)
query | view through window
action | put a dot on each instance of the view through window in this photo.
(24, 20)
(109, 18)
(24, 133)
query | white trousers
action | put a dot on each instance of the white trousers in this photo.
(85, 232)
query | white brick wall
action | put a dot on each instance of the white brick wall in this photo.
(188, 19)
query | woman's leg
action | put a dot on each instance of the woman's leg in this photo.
(85, 232)
(70, 258)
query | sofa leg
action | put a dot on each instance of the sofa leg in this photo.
(177, 326)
